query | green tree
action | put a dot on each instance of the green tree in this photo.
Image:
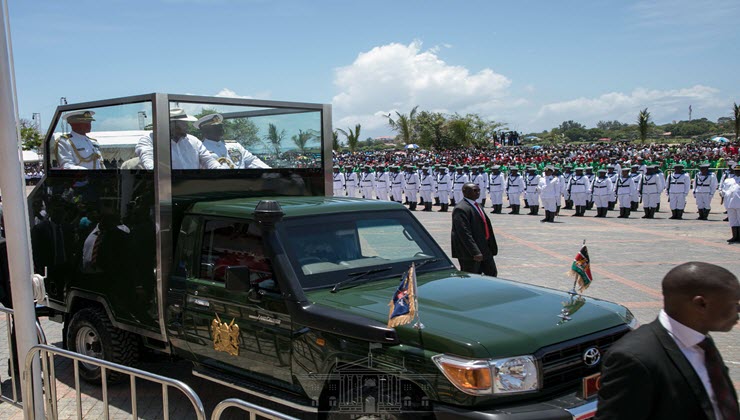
(736, 114)
(569, 125)
(242, 130)
(610, 125)
(31, 139)
(353, 137)
(643, 124)
(274, 139)
(335, 141)
(302, 138)
(404, 125)
(431, 130)
(460, 130)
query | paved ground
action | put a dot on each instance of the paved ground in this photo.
(629, 259)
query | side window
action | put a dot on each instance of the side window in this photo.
(229, 243)
(100, 137)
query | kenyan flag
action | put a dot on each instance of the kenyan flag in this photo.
(580, 270)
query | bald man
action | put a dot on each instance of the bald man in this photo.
(670, 368)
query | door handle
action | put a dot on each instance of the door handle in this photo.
(200, 302)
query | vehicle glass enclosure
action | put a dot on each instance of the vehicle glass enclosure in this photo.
(103, 217)
(327, 252)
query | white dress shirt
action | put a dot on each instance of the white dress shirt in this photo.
(246, 161)
(688, 342)
(187, 153)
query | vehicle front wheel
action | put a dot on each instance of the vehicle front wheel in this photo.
(92, 334)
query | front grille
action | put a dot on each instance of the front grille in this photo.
(562, 364)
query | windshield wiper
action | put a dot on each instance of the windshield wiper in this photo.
(357, 276)
(425, 262)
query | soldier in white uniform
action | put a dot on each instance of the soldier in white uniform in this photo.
(625, 189)
(411, 186)
(76, 150)
(705, 184)
(636, 176)
(563, 187)
(549, 186)
(458, 180)
(338, 182)
(382, 182)
(427, 187)
(651, 187)
(662, 177)
(444, 183)
(478, 177)
(727, 173)
(396, 178)
(533, 191)
(367, 182)
(579, 189)
(351, 181)
(590, 199)
(236, 156)
(435, 173)
(567, 175)
(679, 185)
(601, 191)
(187, 151)
(731, 194)
(496, 185)
(515, 187)
(612, 174)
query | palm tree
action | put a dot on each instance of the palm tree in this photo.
(404, 125)
(736, 113)
(352, 137)
(274, 138)
(302, 138)
(335, 140)
(643, 123)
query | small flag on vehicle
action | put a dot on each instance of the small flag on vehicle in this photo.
(580, 270)
(403, 305)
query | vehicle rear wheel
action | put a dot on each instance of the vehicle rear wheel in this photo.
(92, 334)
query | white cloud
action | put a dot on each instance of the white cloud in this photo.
(398, 77)
(664, 106)
(228, 93)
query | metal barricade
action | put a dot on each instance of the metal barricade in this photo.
(14, 400)
(252, 409)
(48, 353)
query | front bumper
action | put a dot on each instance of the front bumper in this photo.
(566, 407)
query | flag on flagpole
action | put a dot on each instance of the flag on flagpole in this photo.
(580, 270)
(403, 305)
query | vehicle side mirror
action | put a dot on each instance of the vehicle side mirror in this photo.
(237, 278)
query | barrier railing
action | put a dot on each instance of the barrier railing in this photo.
(252, 409)
(14, 400)
(48, 354)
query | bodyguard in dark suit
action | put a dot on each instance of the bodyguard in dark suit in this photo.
(473, 241)
(670, 368)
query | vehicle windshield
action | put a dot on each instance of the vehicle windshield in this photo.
(327, 251)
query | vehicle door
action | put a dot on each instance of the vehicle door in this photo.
(236, 328)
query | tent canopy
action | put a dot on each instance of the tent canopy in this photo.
(29, 156)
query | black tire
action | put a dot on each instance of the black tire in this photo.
(91, 333)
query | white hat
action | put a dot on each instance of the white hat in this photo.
(179, 114)
(210, 119)
(79, 116)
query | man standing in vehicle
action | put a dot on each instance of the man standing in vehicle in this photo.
(238, 157)
(473, 240)
(76, 150)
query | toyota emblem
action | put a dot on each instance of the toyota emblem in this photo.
(591, 357)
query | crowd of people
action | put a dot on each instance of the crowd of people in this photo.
(33, 172)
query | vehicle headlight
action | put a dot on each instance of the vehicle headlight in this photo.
(515, 374)
(508, 375)
(632, 322)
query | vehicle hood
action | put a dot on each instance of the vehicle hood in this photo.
(480, 316)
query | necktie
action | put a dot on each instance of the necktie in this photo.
(483, 217)
(721, 386)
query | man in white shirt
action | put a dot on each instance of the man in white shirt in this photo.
(187, 151)
(76, 150)
(236, 156)
(670, 368)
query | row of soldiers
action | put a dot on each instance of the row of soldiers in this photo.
(580, 188)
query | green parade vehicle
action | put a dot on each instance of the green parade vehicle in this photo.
(270, 285)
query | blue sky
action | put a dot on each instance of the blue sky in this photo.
(530, 64)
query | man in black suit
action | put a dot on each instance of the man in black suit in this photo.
(670, 368)
(473, 241)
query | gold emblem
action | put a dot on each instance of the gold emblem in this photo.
(225, 336)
